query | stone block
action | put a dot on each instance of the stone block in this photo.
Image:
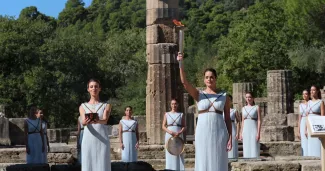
(65, 167)
(152, 4)
(283, 148)
(4, 131)
(272, 119)
(311, 165)
(239, 90)
(16, 131)
(279, 93)
(143, 137)
(60, 158)
(28, 167)
(141, 122)
(163, 53)
(61, 135)
(297, 132)
(12, 155)
(161, 15)
(163, 84)
(293, 119)
(161, 33)
(277, 133)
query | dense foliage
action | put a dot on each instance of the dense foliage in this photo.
(48, 61)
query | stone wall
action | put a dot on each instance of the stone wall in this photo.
(16, 131)
(4, 131)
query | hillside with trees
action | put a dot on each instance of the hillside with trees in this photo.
(48, 61)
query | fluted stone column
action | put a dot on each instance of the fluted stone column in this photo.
(238, 94)
(163, 82)
(280, 104)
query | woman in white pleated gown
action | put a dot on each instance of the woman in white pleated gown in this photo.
(235, 124)
(34, 138)
(315, 108)
(95, 145)
(302, 123)
(129, 137)
(251, 126)
(174, 125)
(213, 133)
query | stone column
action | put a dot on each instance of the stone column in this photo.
(163, 82)
(280, 104)
(238, 94)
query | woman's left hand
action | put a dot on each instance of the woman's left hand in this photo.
(258, 137)
(137, 145)
(229, 144)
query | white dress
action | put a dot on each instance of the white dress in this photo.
(130, 153)
(251, 147)
(211, 134)
(314, 144)
(174, 123)
(233, 153)
(34, 142)
(95, 146)
(44, 126)
(304, 141)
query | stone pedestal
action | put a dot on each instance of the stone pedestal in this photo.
(280, 104)
(16, 131)
(163, 82)
(238, 94)
(4, 131)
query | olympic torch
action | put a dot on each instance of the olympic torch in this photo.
(181, 27)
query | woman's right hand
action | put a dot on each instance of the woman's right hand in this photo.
(122, 146)
(241, 137)
(306, 134)
(86, 121)
(180, 56)
(299, 137)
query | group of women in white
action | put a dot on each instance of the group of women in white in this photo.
(216, 136)
(312, 105)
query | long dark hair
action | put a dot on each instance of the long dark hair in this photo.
(93, 80)
(319, 95)
(251, 93)
(214, 72)
(308, 92)
(32, 111)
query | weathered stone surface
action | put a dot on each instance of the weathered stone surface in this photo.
(311, 165)
(60, 158)
(239, 90)
(16, 131)
(4, 131)
(161, 33)
(161, 15)
(295, 158)
(163, 84)
(292, 119)
(152, 4)
(61, 135)
(141, 123)
(280, 99)
(265, 165)
(12, 155)
(283, 148)
(26, 167)
(277, 133)
(272, 119)
(162, 53)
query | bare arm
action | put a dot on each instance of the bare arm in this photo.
(106, 115)
(78, 128)
(299, 123)
(322, 109)
(120, 131)
(164, 126)
(183, 125)
(42, 135)
(242, 126)
(227, 117)
(188, 87)
(137, 132)
(258, 122)
(237, 124)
